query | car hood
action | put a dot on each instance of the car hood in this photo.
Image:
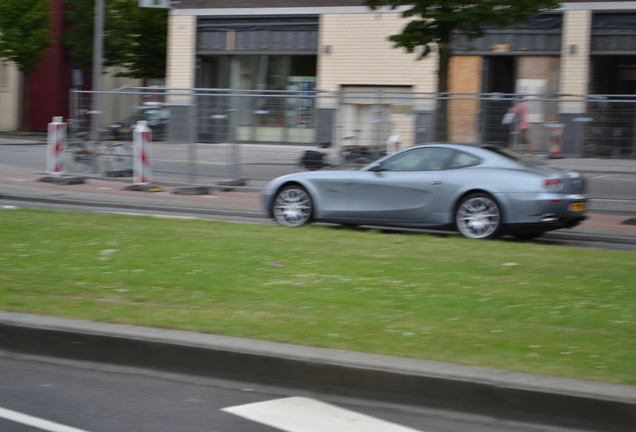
(311, 176)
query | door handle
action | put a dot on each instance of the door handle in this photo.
(436, 182)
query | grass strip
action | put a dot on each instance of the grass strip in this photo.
(525, 307)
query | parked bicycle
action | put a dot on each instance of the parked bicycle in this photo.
(111, 157)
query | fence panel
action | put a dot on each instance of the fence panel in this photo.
(211, 136)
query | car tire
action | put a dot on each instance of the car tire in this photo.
(479, 216)
(293, 206)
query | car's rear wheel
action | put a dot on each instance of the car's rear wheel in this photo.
(293, 206)
(479, 216)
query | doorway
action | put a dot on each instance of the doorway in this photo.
(498, 76)
(615, 117)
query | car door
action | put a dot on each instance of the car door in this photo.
(332, 190)
(403, 188)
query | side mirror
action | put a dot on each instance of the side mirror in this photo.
(376, 167)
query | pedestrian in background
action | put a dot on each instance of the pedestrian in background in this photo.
(520, 112)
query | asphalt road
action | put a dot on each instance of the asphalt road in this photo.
(93, 397)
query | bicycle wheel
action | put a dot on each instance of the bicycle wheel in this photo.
(77, 157)
(116, 157)
(357, 163)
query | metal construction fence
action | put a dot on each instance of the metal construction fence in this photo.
(204, 136)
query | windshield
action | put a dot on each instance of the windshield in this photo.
(149, 114)
(514, 156)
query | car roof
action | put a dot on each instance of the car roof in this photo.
(450, 144)
(482, 149)
(490, 154)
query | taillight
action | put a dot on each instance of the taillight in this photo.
(551, 184)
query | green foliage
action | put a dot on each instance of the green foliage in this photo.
(134, 38)
(434, 21)
(25, 32)
(78, 37)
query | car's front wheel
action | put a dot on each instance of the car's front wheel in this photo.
(293, 206)
(479, 216)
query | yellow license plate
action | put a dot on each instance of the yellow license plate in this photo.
(577, 206)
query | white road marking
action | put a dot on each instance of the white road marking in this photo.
(299, 414)
(36, 422)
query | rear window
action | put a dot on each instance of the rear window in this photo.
(514, 156)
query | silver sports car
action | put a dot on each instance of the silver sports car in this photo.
(481, 191)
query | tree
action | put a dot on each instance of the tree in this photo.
(433, 23)
(25, 32)
(78, 36)
(134, 38)
(25, 36)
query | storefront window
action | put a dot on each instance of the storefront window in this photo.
(271, 116)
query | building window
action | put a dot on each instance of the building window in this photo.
(265, 34)
(4, 76)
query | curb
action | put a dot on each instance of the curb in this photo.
(594, 238)
(511, 395)
(589, 171)
(167, 209)
(552, 235)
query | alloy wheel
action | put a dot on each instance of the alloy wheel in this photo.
(479, 217)
(293, 206)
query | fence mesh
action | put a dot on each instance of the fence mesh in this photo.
(207, 136)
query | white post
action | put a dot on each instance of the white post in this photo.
(56, 140)
(394, 142)
(142, 136)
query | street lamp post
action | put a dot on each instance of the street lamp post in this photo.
(98, 48)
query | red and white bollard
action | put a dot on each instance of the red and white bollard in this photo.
(394, 142)
(142, 137)
(55, 147)
(555, 131)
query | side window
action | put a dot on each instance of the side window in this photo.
(422, 159)
(463, 160)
